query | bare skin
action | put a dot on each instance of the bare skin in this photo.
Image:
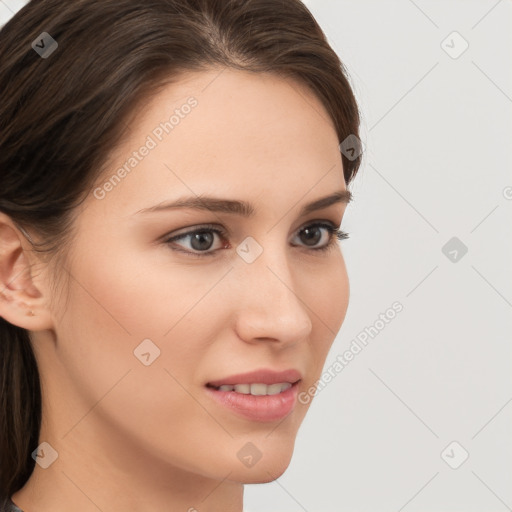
(132, 437)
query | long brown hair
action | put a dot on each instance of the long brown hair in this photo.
(62, 113)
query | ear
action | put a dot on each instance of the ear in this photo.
(23, 300)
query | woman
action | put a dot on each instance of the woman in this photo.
(173, 176)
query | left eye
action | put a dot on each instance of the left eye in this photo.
(202, 238)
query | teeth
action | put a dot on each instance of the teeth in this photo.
(243, 388)
(257, 389)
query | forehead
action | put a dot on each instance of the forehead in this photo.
(243, 131)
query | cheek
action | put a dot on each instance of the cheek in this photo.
(108, 315)
(329, 294)
(118, 300)
(143, 295)
(327, 297)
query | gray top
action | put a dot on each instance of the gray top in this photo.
(7, 505)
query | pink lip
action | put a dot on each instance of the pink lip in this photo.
(262, 376)
(258, 408)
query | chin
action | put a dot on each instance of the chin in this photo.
(262, 472)
(264, 477)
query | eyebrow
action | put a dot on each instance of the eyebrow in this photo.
(243, 208)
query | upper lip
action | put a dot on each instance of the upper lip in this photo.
(262, 376)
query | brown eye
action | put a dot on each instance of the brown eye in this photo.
(201, 240)
(313, 235)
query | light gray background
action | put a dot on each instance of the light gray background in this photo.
(437, 164)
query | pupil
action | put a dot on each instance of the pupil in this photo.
(200, 237)
(315, 237)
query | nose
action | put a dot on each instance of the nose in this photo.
(270, 305)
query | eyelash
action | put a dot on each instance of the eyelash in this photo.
(335, 235)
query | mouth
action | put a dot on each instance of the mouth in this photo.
(257, 402)
(255, 388)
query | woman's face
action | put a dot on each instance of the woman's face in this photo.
(147, 323)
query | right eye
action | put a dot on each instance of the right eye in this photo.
(201, 239)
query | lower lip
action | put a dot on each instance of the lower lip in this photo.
(258, 407)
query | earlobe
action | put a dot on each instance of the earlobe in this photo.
(21, 301)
